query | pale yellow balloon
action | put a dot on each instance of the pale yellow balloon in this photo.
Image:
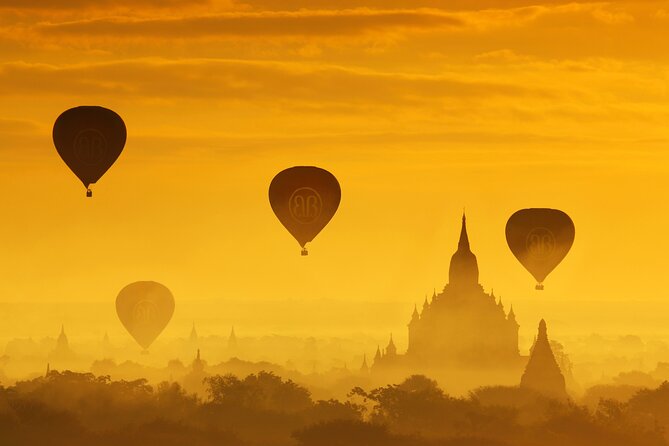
(145, 309)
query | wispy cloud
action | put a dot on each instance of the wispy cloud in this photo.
(243, 80)
(58, 5)
(303, 23)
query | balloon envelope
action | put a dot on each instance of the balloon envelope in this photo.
(540, 239)
(304, 198)
(89, 139)
(144, 309)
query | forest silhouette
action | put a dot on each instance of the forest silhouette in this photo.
(68, 408)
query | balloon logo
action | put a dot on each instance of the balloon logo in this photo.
(540, 243)
(90, 146)
(89, 139)
(540, 239)
(144, 312)
(144, 309)
(304, 199)
(305, 205)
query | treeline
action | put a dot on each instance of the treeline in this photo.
(263, 409)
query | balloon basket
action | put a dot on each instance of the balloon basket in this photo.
(305, 252)
(89, 193)
(539, 287)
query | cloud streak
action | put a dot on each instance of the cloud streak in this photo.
(59, 5)
(245, 81)
(314, 23)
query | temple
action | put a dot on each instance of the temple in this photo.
(542, 373)
(193, 338)
(460, 328)
(62, 353)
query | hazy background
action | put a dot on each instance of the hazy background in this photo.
(418, 108)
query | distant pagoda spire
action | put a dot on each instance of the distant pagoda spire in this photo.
(193, 334)
(377, 356)
(62, 341)
(62, 336)
(415, 315)
(198, 363)
(391, 349)
(232, 339)
(106, 344)
(364, 368)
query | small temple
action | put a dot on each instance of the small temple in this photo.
(542, 373)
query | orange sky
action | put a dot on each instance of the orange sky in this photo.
(418, 109)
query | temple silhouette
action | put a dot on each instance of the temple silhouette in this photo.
(542, 372)
(62, 353)
(463, 335)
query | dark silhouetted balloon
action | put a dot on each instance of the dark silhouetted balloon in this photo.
(89, 139)
(304, 198)
(540, 239)
(144, 309)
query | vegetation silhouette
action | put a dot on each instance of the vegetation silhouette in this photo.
(68, 408)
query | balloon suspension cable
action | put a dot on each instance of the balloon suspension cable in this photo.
(89, 192)
(305, 252)
(540, 287)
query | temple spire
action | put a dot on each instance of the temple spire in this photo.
(391, 349)
(378, 355)
(193, 334)
(232, 340)
(364, 368)
(198, 363)
(463, 243)
(512, 314)
(542, 372)
(464, 270)
(62, 338)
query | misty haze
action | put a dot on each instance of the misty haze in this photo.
(344, 223)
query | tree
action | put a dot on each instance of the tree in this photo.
(264, 391)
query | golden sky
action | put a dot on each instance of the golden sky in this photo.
(418, 108)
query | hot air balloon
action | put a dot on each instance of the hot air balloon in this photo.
(304, 198)
(540, 239)
(89, 139)
(144, 309)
